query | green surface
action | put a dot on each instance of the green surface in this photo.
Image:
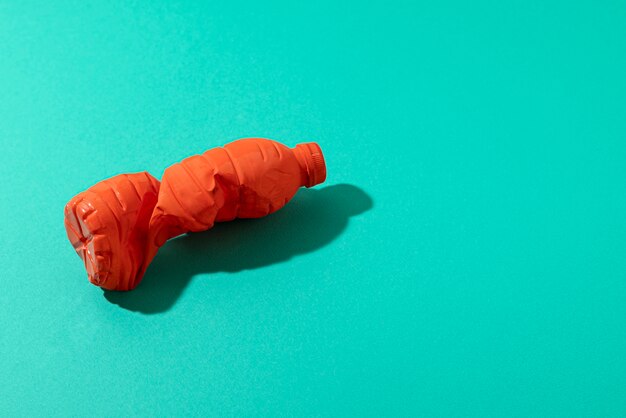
(466, 256)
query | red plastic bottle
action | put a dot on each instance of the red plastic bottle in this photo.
(118, 225)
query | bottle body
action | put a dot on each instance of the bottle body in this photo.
(249, 178)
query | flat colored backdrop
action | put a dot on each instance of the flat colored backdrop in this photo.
(466, 256)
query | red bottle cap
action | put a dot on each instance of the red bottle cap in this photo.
(312, 162)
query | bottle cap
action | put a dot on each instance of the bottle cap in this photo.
(312, 162)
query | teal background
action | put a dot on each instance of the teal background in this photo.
(466, 256)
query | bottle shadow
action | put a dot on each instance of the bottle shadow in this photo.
(312, 220)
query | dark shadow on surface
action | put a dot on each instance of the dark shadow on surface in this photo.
(313, 219)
